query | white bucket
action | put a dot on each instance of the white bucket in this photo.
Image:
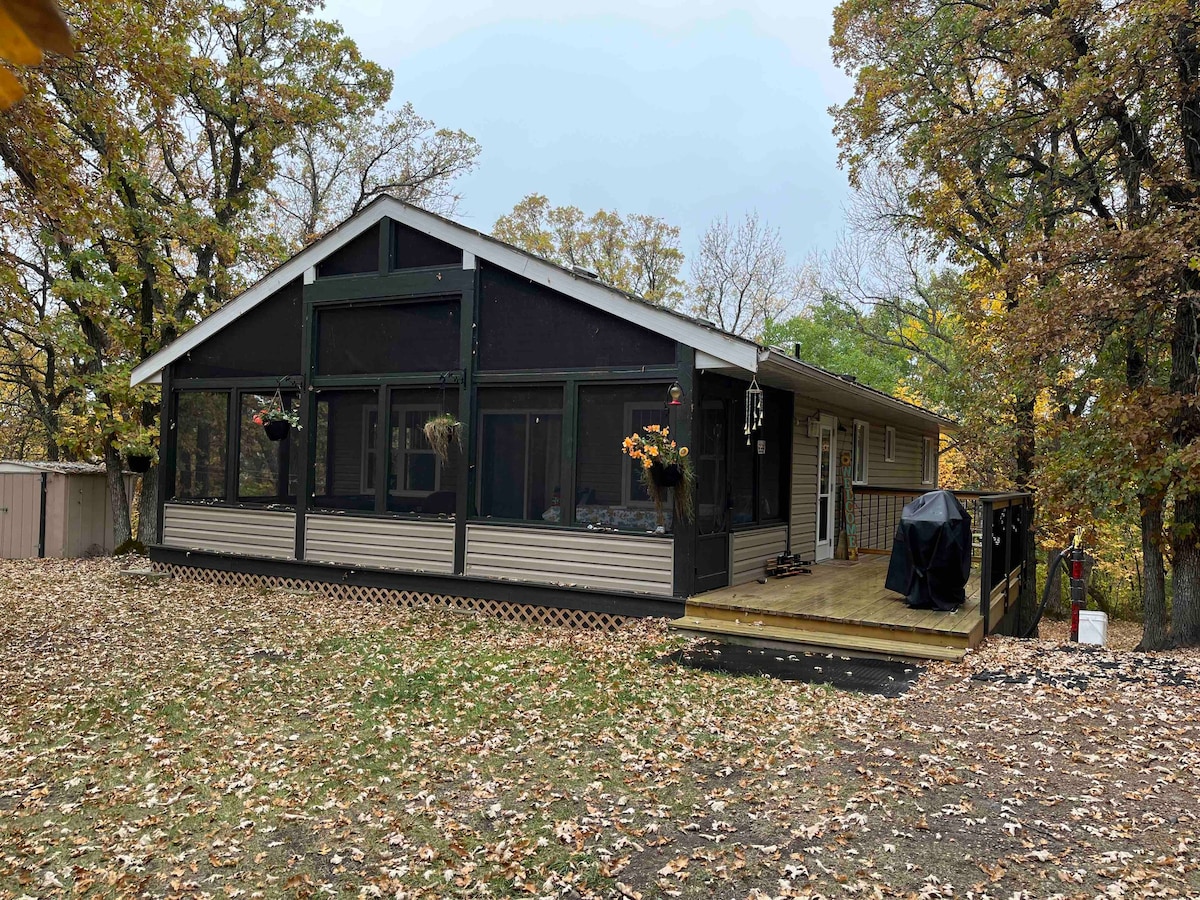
(1093, 627)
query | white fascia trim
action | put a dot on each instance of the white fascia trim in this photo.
(731, 351)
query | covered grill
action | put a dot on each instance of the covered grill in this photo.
(931, 554)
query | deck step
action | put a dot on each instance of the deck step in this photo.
(816, 641)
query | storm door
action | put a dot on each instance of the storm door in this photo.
(712, 496)
(826, 487)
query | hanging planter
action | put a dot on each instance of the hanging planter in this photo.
(139, 462)
(666, 476)
(276, 419)
(277, 429)
(441, 431)
(665, 466)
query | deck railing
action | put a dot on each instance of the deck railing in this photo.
(999, 522)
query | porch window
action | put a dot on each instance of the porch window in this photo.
(889, 444)
(862, 451)
(201, 444)
(929, 461)
(346, 460)
(756, 470)
(418, 480)
(520, 454)
(608, 489)
(265, 470)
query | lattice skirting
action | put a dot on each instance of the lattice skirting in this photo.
(500, 609)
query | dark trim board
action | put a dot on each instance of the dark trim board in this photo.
(613, 603)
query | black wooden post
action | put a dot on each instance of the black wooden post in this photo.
(305, 446)
(683, 430)
(985, 566)
(166, 450)
(566, 489)
(467, 401)
(1008, 542)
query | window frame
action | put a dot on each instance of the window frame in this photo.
(627, 463)
(928, 456)
(860, 452)
(889, 443)
(398, 412)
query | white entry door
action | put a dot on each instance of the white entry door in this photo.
(826, 487)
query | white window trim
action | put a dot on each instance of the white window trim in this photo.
(398, 414)
(928, 456)
(889, 444)
(866, 452)
(627, 463)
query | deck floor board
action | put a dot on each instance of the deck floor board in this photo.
(852, 593)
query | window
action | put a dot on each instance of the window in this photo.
(862, 450)
(608, 489)
(201, 444)
(345, 462)
(418, 480)
(929, 461)
(889, 444)
(520, 453)
(265, 472)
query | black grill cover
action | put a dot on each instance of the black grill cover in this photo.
(931, 555)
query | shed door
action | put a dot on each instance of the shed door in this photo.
(20, 511)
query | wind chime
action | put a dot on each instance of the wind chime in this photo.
(754, 408)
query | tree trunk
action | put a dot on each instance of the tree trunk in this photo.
(122, 530)
(1154, 587)
(1185, 550)
(147, 533)
(1026, 444)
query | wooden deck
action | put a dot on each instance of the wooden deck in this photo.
(840, 607)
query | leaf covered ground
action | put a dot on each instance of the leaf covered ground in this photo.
(166, 738)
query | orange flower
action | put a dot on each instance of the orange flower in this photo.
(646, 463)
(653, 451)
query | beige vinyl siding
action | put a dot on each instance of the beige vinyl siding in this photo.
(618, 562)
(412, 545)
(20, 509)
(222, 529)
(903, 471)
(749, 551)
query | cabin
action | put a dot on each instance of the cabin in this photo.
(399, 316)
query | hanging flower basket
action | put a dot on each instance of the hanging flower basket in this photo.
(666, 476)
(664, 466)
(276, 419)
(441, 431)
(139, 462)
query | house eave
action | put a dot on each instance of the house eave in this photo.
(799, 375)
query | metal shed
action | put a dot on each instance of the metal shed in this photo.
(53, 509)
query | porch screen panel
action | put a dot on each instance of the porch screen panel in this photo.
(359, 256)
(412, 249)
(520, 453)
(379, 338)
(265, 470)
(418, 480)
(347, 436)
(608, 484)
(264, 341)
(201, 444)
(523, 325)
(743, 468)
(776, 430)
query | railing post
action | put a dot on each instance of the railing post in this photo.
(1008, 542)
(985, 566)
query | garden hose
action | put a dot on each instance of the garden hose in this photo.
(1054, 564)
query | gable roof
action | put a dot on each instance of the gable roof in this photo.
(715, 349)
(706, 338)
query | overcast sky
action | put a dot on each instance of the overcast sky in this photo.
(684, 110)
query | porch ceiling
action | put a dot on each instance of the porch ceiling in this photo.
(825, 388)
